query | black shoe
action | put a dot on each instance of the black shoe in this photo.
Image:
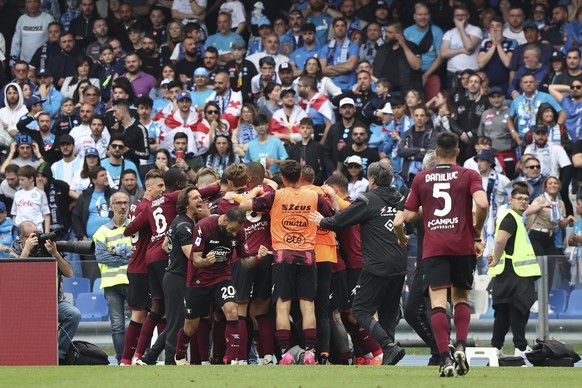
(392, 354)
(461, 364)
(447, 368)
(434, 360)
(145, 360)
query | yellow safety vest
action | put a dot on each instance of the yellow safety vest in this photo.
(110, 275)
(525, 263)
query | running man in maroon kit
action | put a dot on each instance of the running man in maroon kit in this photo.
(137, 270)
(452, 241)
(209, 279)
(255, 282)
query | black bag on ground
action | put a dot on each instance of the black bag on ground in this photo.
(85, 353)
(547, 353)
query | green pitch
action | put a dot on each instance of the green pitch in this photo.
(278, 376)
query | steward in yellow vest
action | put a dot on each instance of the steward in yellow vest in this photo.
(515, 269)
(112, 252)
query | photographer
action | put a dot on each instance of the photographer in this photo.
(27, 245)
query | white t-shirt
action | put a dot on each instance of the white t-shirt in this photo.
(461, 62)
(64, 170)
(552, 158)
(184, 5)
(518, 36)
(30, 205)
(237, 12)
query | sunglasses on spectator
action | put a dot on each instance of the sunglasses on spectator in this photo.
(534, 167)
(358, 134)
(354, 165)
(117, 146)
(576, 87)
(212, 112)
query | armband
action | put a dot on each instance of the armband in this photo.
(477, 240)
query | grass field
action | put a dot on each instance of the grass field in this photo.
(277, 376)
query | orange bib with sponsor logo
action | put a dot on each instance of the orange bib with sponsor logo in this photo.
(325, 242)
(290, 226)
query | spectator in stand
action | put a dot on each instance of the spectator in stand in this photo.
(30, 203)
(82, 72)
(428, 38)
(186, 10)
(191, 61)
(554, 161)
(130, 187)
(48, 93)
(116, 163)
(317, 14)
(135, 33)
(265, 149)
(58, 196)
(14, 108)
(516, 26)
(241, 71)
(31, 32)
(460, 45)
(64, 63)
(284, 124)
(223, 38)
(82, 27)
(307, 151)
(267, 74)
(556, 33)
(93, 134)
(133, 133)
(49, 49)
(359, 147)
(309, 49)
(570, 99)
(141, 82)
(405, 56)
(340, 57)
(101, 33)
(245, 132)
(151, 59)
(9, 185)
(293, 38)
(532, 38)
(271, 43)
(360, 94)
(106, 70)
(8, 232)
(229, 101)
(495, 54)
(81, 180)
(175, 35)
(23, 152)
(121, 29)
(221, 154)
(572, 71)
(157, 27)
(524, 108)
(532, 65)
(325, 85)
(21, 70)
(65, 168)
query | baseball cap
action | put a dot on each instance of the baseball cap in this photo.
(91, 152)
(33, 100)
(387, 108)
(22, 138)
(201, 71)
(495, 90)
(530, 24)
(183, 95)
(66, 139)
(2, 207)
(165, 81)
(259, 5)
(485, 155)
(557, 56)
(285, 66)
(539, 128)
(238, 44)
(346, 101)
(354, 159)
(285, 91)
(44, 73)
(380, 4)
(44, 169)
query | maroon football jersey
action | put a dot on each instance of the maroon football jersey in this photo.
(140, 239)
(445, 193)
(161, 214)
(350, 245)
(208, 237)
(257, 225)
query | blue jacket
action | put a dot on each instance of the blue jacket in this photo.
(8, 234)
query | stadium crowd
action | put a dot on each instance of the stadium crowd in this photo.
(155, 119)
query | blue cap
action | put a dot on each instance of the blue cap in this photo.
(91, 152)
(201, 71)
(183, 95)
(22, 138)
(2, 207)
(530, 24)
(485, 155)
(33, 100)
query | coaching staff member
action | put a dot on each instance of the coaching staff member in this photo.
(380, 215)
(515, 269)
(451, 242)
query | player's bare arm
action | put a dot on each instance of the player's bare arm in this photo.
(251, 261)
(201, 262)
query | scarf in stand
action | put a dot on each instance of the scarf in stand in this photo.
(489, 230)
(555, 215)
(343, 57)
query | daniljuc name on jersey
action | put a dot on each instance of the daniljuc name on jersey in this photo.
(441, 176)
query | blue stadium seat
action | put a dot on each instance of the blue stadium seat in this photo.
(76, 286)
(97, 286)
(93, 307)
(574, 310)
(490, 312)
(558, 300)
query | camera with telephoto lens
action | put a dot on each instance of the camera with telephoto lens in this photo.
(79, 247)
